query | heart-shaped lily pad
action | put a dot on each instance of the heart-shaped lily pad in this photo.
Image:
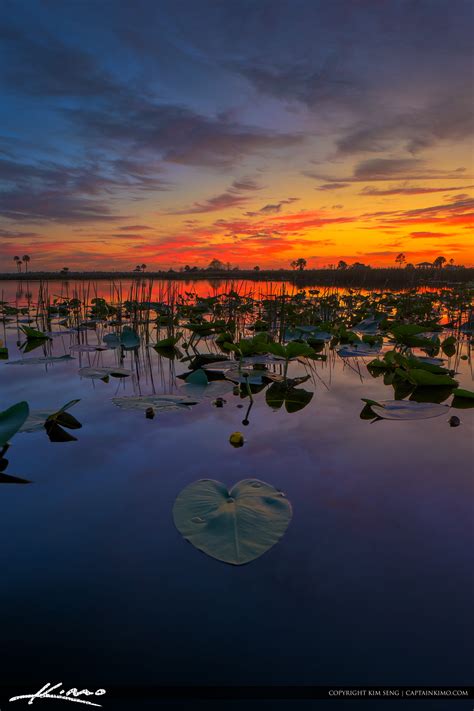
(235, 526)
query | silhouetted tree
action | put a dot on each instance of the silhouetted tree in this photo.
(216, 264)
(298, 264)
(439, 262)
(26, 259)
(342, 264)
(400, 259)
(256, 269)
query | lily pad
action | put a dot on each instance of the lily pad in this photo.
(420, 376)
(40, 361)
(162, 403)
(360, 350)
(11, 421)
(33, 334)
(463, 399)
(37, 418)
(197, 377)
(100, 373)
(86, 348)
(214, 389)
(129, 339)
(252, 376)
(465, 394)
(235, 526)
(369, 325)
(408, 410)
(295, 399)
(169, 342)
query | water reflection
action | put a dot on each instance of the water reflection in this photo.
(91, 552)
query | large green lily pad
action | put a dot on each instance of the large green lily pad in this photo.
(235, 526)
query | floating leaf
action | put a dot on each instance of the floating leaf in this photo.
(408, 410)
(86, 348)
(40, 361)
(234, 527)
(431, 393)
(33, 334)
(360, 350)
(169, 342)
(160, 403)
(11, 420)
(252, 376)
(420, 376)
(37, 418)
(129, 339)
(369, 325)
(212, 390)
(465, 394)
(100, 373)
(463, 399)
(197, 377)
(448, 346)
(295, 399)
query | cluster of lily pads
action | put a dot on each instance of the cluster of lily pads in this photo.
(243, 344)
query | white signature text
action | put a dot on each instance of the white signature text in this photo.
(50, 691)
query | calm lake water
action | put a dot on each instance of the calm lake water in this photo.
(371, 584)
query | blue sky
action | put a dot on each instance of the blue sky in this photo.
(217, 126)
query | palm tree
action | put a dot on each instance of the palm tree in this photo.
(438, 262)
(143, 267)
(299, 264)
(17, 260)
(26, 259)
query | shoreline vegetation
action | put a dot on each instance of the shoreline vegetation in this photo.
(354, 276)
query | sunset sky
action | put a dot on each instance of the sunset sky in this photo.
(255, 132)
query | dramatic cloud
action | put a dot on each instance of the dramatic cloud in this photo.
(134, 228)
(271, 209)
(384, 169)
(429, 235)
(11, 234)
(234, 196)
(120, 125)
(218, 202)
(417, 190)
(332, 186)
(447, 120)
(176, 134)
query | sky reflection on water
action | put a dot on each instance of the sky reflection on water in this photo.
(372, 582)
